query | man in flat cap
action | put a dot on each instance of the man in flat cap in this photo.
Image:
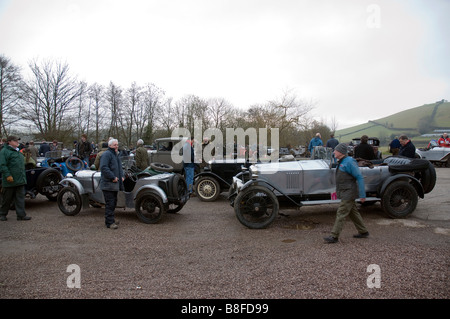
(14, 179)
(349, 187)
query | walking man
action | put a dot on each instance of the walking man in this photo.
(12, 168)
(349, 186)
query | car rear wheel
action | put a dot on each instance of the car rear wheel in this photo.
(69, 201)
(48, 183)
(149, 207)
(399, 199)
(256, 207)
(207, 189)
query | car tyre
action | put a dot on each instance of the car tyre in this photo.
(399, 199)
(149, 207)
(69, 201)
(48, 178)
(161, 167)
(256, 207)
(207, 189)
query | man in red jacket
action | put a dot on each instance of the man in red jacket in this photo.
(444, 141)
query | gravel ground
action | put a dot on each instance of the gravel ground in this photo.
(204, 252)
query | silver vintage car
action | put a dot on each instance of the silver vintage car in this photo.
(435, 154)
(396, 182)
(149, 195)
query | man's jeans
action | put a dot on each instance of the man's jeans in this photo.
(110, 206)
(189, 173)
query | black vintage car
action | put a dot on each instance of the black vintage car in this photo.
(42, 180)
(217, 177)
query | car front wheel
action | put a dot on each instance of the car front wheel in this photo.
(69, 201)
(399, 199)
(256, 207)
(149, 207)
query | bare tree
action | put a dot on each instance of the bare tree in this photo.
(153, 103)
(168, 118)
(96, 99)
(218, 112)
(49, 98)
(10, 81)
(113, 96)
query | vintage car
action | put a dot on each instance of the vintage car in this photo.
(396, 182)
(64, 161)
(217, 177)
(162, 153)
(150, 195)
(435, 154)
(41, 180)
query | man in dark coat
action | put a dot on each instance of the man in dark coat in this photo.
(44, 148)
(364, 150)
(111, 181)
(14, 180)
(407, 149)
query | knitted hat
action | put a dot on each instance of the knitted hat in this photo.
(341, 148)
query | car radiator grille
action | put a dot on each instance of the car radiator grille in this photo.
(292, 180)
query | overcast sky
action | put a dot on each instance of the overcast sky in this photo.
(357, 60)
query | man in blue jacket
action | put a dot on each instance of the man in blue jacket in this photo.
(111, 181)
(12, 168)
(349, 186)
(315, 141)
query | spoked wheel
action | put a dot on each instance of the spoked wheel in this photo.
(256, 207)
(48, 183)
(149, 207)
(207, 189)
(69, 201)
(399, 199)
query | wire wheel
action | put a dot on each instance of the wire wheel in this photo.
(399, 199)
(149, 207)
(256, 207)
(207, 189)
(69, 201)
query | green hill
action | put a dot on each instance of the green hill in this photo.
(413, 122)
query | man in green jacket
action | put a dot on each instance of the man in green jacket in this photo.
(141, 156)
(14, 179)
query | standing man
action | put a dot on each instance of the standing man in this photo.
(84, 148)
(14, 179)
(444, 141)
(111, 181)
(141, 156)
(394, 146)
(349, 186)
(188, 164)
(332, 142)
(407, 148)
(364, 150)
(315, 141)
